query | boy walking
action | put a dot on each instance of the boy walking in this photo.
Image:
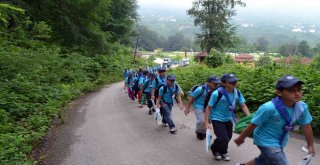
(165, 100)
(197, 98)
(220, 111)
(274, 119)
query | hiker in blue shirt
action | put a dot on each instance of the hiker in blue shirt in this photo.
(129, 84)
(221, 107)
(167, 94)
(147, 91)
(142, 79)
(197, 98)
(158, 82)
(125, 76)
(274, 119)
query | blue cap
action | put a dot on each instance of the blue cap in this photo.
(152, 75)
(287, 82)
(229, 77)
(162, 69)
(171, 77)
(213, 79)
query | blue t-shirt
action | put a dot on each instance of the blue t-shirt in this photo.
(141, 81)
(198, 103)
(170, 93)
(160, 82)
(220, 111)
(270, 123)
(148, 85)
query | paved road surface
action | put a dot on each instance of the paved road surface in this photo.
(106, 129)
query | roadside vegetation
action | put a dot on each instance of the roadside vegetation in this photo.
(51, 52)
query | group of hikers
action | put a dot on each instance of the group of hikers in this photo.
(214, 106)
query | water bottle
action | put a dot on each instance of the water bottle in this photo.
(208, 139)
(158, 116)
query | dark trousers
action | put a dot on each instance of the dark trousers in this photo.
(167, 117)
(223, 132)
(161, 109)
(149, 101)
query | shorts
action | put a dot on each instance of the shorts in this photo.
(271, 156)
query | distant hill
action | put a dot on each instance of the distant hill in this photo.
(278, 25)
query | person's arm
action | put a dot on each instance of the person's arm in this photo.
(206, 117)
(189, 103)
(245, 109)
(180, 101)
(245, 133)
(308, 133)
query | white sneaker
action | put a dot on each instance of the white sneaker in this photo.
(217, 156)
(226, 157)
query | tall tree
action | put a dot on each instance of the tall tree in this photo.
(88, 24)
(213, 17)
(262, 44)
(304, 49)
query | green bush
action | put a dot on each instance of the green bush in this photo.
(37, 83)
(258, 84)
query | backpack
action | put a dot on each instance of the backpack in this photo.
(206, 100)
(135, 85)
(192, 89)
(156, 93)
(165, 89)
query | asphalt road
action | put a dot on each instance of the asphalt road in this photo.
(104, 128)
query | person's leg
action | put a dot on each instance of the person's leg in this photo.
(229, 128)
(130, 94)
(271, 156)
(221, 140)
(200, 129)
(167, 115)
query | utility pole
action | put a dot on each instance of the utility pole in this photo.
(135, 50)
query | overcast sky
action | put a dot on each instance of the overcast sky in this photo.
(305, 4)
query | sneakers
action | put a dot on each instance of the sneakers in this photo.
(140, 106)
(164, 124)
(173, 131)
(226, 157)
(240, 164)
(217, 156)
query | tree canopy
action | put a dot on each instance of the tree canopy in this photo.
(213, 17)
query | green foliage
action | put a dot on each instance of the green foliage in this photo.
(258, 84)
(214, 59)
(264, 60)
(213, 17)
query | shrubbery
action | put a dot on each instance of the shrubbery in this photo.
(37, 83)
(258, 84)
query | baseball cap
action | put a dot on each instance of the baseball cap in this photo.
(287, 82)
(152, 75)
(162, 69)
(171, 77)
(229, 77)
(213, 79)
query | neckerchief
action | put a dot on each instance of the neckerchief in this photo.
(232, 105)
(282, 109)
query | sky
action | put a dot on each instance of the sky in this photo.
(284, 4)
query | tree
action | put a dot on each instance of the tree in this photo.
(176, 42)
(304, 49)
(288, 49)
(6, 11)
(262, 44)
(149, 40)
(215, 58)
(87, 24)
(213, 17)
(264, 61)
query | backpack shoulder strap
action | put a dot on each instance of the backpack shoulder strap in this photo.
(201, 92)
(218, 99)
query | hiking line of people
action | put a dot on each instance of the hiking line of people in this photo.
(214, 106)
